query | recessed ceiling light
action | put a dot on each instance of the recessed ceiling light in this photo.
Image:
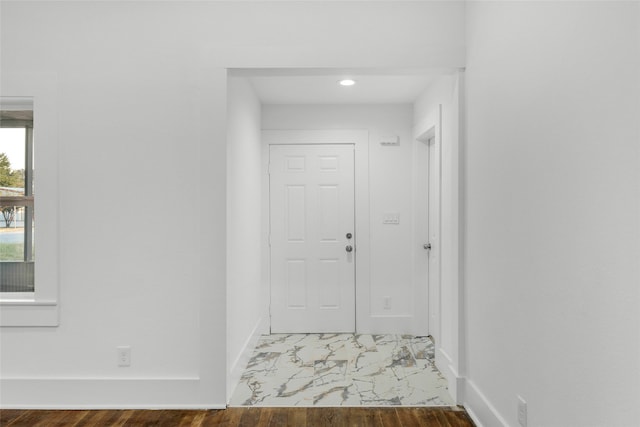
(347, 82)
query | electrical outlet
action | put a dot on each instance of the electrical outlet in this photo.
(522, 412)
(387, 303)
(124, 355)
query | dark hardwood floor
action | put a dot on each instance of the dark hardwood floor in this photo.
(245, 417)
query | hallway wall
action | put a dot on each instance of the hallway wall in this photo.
(247, 293)
(141, 92)
(443, 95)
(390, 183)
(553, 236)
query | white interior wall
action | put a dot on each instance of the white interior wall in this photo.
(142, 97)
(390, 183)
(553, 233)
(438, 106)
(247, 295)
(152, 95)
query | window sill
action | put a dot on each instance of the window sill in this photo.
(22, 311)
(13, 297)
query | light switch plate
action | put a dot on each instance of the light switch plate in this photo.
(391, 218)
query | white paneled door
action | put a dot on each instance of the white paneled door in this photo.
(312, 238)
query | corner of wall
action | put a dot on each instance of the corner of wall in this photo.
(239, 364)
(246, 308)
(481, 411)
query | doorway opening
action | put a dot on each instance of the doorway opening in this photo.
(390, 111)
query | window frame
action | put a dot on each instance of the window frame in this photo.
(26, 201)
(40, 308)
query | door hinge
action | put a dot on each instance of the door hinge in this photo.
(269, 239)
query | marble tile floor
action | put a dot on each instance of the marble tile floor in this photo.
(342, 370)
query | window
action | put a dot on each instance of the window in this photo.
(29, 264)
(17, 255)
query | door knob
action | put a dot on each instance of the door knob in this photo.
(349, 235)
(349, 248)
(427, 246)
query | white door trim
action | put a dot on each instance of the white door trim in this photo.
(434, 198)
(360, 139)
(427, 153)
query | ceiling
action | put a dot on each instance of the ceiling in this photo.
(321, 86)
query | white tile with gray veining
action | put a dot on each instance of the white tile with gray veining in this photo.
(342, 370)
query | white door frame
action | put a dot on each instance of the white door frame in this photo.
(427, 154)
(452, 363)
(434, 255)
(360, 140)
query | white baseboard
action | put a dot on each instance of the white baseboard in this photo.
(455, 383)
(388, 324)
(114, 408)
(104, 393)
(480, 409)
(240, 363)
(467, 394)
